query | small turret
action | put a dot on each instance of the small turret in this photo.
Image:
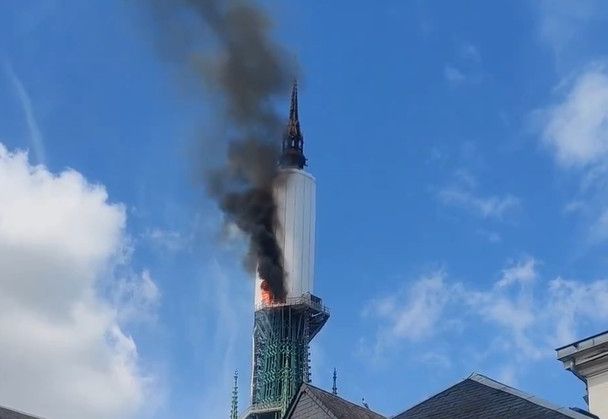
(292, 155)
(234, 409)
(334, 389)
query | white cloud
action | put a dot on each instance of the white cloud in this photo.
(523, 272)
(510, 305)
(63, 353)
(572, 301)
(462, 193)
(576, 128)
(412, 313)
(425, 303)
(528, 317)
(575, 131)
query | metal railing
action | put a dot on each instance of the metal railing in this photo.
(307, 299)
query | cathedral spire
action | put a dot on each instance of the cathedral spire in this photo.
(292, 155)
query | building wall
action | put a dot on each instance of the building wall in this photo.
(598, 394)
(307, 408)
(295, 194)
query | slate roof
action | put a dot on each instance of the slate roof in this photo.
(12, 414)
(483, 398)
(334, 405)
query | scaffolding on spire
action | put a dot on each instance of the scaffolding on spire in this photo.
(281, 359)
(283, 329)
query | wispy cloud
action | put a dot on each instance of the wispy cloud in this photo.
(486, 206)
(522, 272)
(136, 297)
(528, 316)
(34, 134)
(168, 240)
(489, 235)
(463, 193)
(574, 129)
(469, 52)
(466, 66)
(226, 307)
(562, 23)
(453, 75)
(436, 360)
(414, 312)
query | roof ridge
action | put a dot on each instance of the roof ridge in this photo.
(20, 412)
(497, 385)
(341, 399)
(430, 398)
(489, 382)
(315, 398)
(335, 396)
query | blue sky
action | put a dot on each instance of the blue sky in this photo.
(459, 151)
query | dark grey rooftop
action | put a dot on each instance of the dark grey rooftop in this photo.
(333, 405)
(483, 398)
(13, 414)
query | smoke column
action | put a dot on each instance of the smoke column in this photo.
(250, 73)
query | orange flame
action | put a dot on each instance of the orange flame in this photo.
(267, 297)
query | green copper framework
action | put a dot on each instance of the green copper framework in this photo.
(281, 357)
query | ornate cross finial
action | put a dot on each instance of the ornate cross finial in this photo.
(292, 155)
(293, 109)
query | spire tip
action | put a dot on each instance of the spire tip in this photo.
(293, 141)
(293, 110)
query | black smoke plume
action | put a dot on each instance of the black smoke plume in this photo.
(228, 44)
